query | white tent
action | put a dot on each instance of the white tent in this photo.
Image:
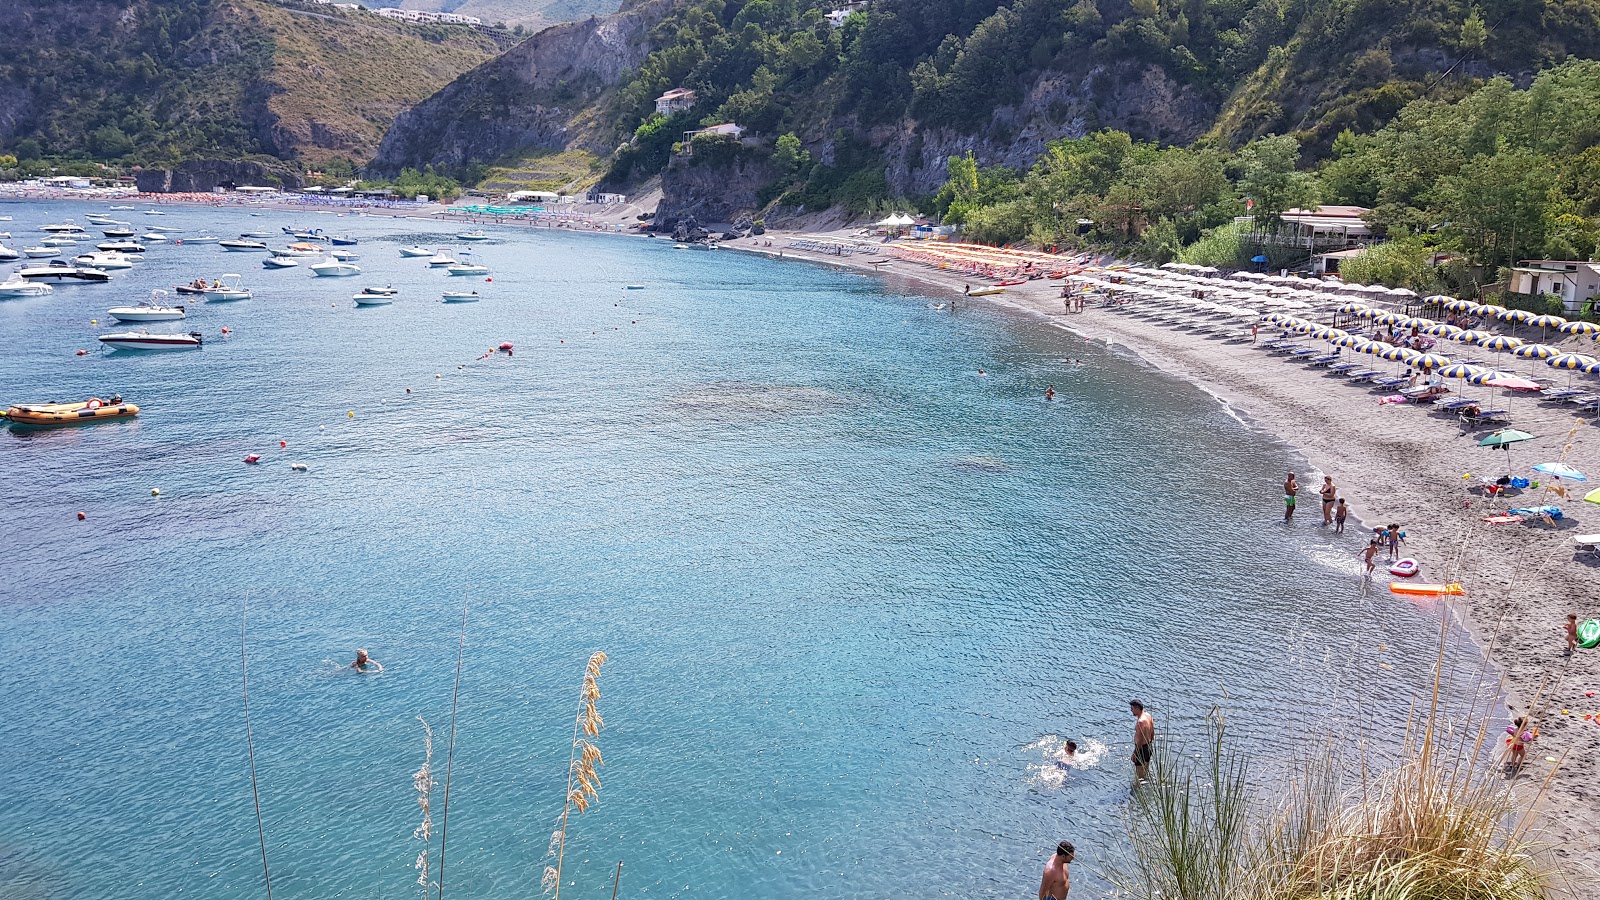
(898, 220)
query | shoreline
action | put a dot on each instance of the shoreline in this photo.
(1395, 464)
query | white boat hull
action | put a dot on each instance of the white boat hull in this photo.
(225, 295)
(144, 314)
(461, 298)
(25, 289)
(468, 270)
(373, 300)
(150, 342)
(413, 252)
(335, 270)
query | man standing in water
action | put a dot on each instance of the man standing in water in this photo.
(1144, 738)
(1057, 880)
(1291, 488)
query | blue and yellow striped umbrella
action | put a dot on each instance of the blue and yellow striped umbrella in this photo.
(1353, 308)
(1329, 334)
(1417, 322)
(1471, 337)
(1546, 321)
(1430, 360)
(1387, 318)
(1512, 315)
(1487, 375)
(1500, 343)
(1462, 370)
(1572, 361)
(1444, 331)
(1376, 348)
(1466, 306)
(1536, 351)
(1580, 328)
(1353, 341)
(1399, 354)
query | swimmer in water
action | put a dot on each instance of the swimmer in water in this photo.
(1067, 755)
(1050, 392)
(363, 662)
(982, 372)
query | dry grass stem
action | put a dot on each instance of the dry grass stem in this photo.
(583, 779)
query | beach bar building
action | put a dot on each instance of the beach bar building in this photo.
(1574, 281)
(1321, 229)
(675, 101)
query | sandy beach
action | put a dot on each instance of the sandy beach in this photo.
(1396, 463)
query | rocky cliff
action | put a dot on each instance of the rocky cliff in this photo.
(540, 95)
(715, 183)
(206, 175)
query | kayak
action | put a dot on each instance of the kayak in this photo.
(1428, 590)
(1589, 634)
(984, 292)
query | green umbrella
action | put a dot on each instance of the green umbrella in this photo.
(1505, 437)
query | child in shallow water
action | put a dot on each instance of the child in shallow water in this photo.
(1067, 755)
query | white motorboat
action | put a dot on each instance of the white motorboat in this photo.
(366, 299)
(387, 290)
(57, 240)
(63, 228)
(16, 286)
(153, 310)
(8, 255)
(101, 219)
(154, 212)
(228, 287)
(256, 234)
(301, 250)
(415, 251)
(344, 255)
(153, 237)
(472, 236)
(202, 239)
(61, 271)
(442, 258)
(144, 340)
(468, 268)
(242, 245)
(280, 262)
(333, 268)
(118, 232)
(461, 297)
(107, 261)
(119, 247)
(39, 252)
(114, 208)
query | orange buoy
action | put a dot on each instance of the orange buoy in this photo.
(81, 517)
(82, 353)
(283, 443)
(490, 279)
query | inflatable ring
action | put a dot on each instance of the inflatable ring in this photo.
(94, 403)
(1405, 568)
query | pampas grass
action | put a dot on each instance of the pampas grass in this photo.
(1436, 823)
(583, 779)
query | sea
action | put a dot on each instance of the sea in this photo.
(855, 577)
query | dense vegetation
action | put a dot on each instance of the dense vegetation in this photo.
(154, 81)
(1502, 174)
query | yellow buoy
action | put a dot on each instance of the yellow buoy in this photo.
(351, 414)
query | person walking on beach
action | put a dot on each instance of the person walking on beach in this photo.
(1255, 329)
(1057, 880)
(1291, 488)
(1369, 553)
(1572, 632)
(1329, 494)
(1339, 514)
(1144, 738)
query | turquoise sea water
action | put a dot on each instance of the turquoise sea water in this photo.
(851, 588)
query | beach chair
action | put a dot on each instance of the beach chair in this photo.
(1344, 368)
(1484, 417)
(1563, 396)
(1366, 374)
(1588, 544)
(1587, 406)
(1391, 381)
(1326, 359)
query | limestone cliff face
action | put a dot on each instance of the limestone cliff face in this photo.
(205, 175)
(537, 96)
(712, 187)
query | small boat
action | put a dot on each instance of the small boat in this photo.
(107, 261)
(333, 268)
(301, 249)
(680, 246)
(61, 271)
(1011, 282)
(415, 251)
(633, 287)
(16, 286)
(442, 258)
(228, 287)
(1405, 568)
(366, 299)
(144, 340)
(343, 240)
(344, 255)
(387, 290)
(100, 219)
(63, 228)
(1428, 590)
(461, 297)
(114, 208)
(472, 236)
(153, 310)
(51, 415)
(984, 292)
(316, 235)
(241, 245)
(154, 237)
(7, 254)
(38, 252)
(119, 232)
(467, 267)
(280, 262)
(202, 239)
(256, 234)
(57, 240)
(119, 247)
(154, 212)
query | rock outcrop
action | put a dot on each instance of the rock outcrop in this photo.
(206, 175)
(712, 186)
(537, 96)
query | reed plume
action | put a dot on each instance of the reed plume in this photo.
(423, 781)
(583, 780)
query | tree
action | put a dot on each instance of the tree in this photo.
(790, 157)
(1269, 179)
(1498, 206)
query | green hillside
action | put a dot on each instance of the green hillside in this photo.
(161, 80)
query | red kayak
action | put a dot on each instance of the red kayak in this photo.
(1013, 282)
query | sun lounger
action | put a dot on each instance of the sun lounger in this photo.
(1344, 368)
(1390, 382)
(1326, 359)
(1563, 396)
(1283, 347)
(1365, 374)
(1587, 406)
(1546, 514)
(1587, 543)
(1455, 405)
(1485, 417)
(1303, 352)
